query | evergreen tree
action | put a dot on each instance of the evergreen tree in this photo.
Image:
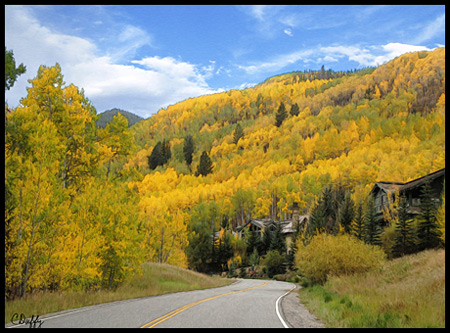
(166, 154)
(160, 155)
(428, 233)
(238, 133)
(295, 110)
(266, 241)
(155, 157)
(357, 229)
(318, 218)
(372, 226)
(346, 212)
(205, 167)
(188, 150)
(404, 239)
(278, 242)
(253, 241)
(223, 251)
(281, 115)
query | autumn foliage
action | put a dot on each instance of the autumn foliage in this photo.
(341, 254)
(83, 209)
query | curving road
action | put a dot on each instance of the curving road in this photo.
(245, 303)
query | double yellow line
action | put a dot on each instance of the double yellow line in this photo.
(169, 315)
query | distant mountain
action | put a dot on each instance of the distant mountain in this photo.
(107, 116)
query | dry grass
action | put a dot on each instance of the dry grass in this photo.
(406, 292)
(156, 279)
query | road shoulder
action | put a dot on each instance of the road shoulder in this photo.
(295, 313)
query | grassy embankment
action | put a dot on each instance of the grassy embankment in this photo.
(156, 279)
(406, 292)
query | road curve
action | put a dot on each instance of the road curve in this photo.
(245, 303)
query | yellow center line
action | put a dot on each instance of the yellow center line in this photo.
(169, 315)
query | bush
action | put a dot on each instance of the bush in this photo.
(329, 255)
(273, 263)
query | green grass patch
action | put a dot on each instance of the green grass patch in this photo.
(156, 279)
(405, 292)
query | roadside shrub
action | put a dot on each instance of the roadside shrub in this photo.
(328, 255)
(273, 263)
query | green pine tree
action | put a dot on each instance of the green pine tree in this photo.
(278, 242)
(188, 150)
(166, 154)
(428, 233)
(281, 115)
(346, 212)
(404, 238)
(372, 226)
(253, 241)
(266, 240)
(205, 167)
(155, 157)
(295, 110)
(357, 229)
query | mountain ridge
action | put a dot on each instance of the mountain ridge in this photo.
(107, 116)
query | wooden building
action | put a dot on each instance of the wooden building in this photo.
(288, 227)
(384, 192)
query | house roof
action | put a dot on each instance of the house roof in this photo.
(286, 225)
(392, 186)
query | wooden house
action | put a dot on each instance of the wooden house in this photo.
(384, 192)
(288, 227)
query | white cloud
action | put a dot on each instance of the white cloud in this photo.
(330, 59)
(431, 30)
(363, 56)
(371, 56)
(142, 90)
(277, 63)
(288, 32)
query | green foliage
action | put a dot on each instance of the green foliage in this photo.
(334, 209)
(160, 155)
(281, 115)
(295, 110)
(11, 71)
(205, 167)
(372, 227)
(428, 233)
(108, 115)
(188, 149)
(357, 228)
(404, 239)
(274, 263)
(277, 242)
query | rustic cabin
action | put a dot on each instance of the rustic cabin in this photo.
(384, 192)
(289, 226)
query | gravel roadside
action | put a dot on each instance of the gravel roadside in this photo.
(296, 314)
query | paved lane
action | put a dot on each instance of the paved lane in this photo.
(245, 303)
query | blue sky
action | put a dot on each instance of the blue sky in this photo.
(143, 58)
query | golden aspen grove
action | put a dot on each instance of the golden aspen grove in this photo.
(83, 209)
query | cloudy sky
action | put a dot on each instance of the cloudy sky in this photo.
(143, 58)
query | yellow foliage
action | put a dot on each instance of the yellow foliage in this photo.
(328, 255)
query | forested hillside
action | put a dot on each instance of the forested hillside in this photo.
(86, 206)
(353, 129)
(107, 116)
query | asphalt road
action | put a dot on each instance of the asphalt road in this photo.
(245, 303)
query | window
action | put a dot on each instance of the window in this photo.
(415, 202)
